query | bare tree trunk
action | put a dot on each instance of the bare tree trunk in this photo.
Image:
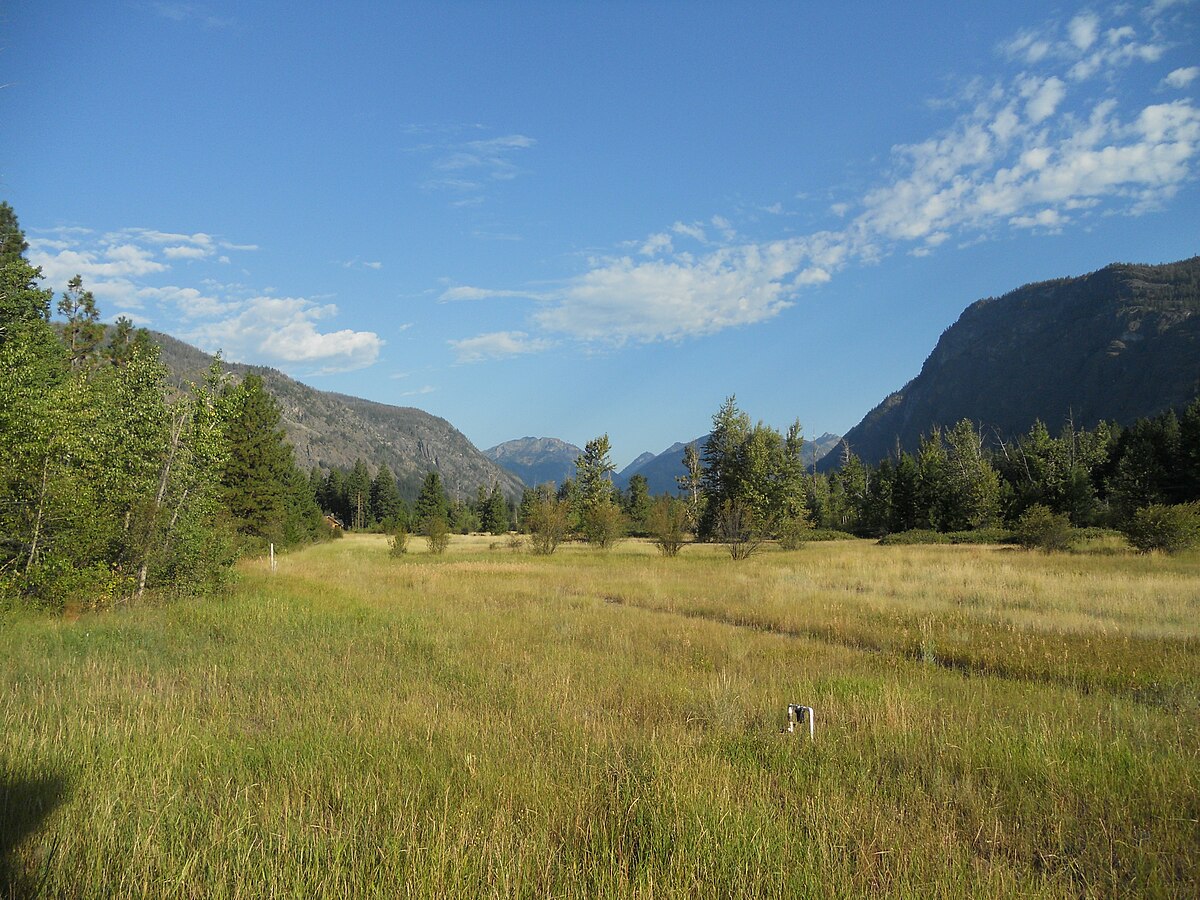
(37, 522)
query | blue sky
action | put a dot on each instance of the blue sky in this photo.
(565, 219)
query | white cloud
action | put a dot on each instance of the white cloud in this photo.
(186, 252)
(284, 330)
(1043, 99)
(694, 231)
(1083, 30)
(1181, 78)
(656, 244)
(497, 345)
(621, 300)
(466, 292)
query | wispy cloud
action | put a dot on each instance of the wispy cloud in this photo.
(1181, 78)
(497, 345)
(470, 167)
(1042, 149)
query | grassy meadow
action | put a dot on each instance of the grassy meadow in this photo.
(486, 723)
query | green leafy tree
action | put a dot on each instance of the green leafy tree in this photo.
(547, 522)
(600, 517)
(723, 462)
(667, 524)
(691, 485)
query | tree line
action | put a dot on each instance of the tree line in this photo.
(113, 483)
(747, 484)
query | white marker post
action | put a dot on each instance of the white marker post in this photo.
(797, 715)
(272, 558)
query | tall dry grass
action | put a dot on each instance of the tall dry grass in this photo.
(487, 723)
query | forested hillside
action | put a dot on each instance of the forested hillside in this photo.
(334, 431)
(1116, 345)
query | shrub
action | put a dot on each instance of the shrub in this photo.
(738, 530)
(603, 524)
(1170, 529)
(667, 525)
(1043, 529)
(399, 542)
(438, 534)
(915, 536)
(547, 522)
(795, 533)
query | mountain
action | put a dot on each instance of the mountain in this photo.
(1114, 345)
(660, 470)
(536, 460)
(333, 430)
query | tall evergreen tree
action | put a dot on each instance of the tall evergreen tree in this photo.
(358, 495)
(260, 464)
(12, 238)
(386, 503)
(83, 331)
(432, 502)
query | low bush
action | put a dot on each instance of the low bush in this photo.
(1171, 529)
(1040, 528)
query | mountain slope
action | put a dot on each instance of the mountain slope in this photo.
(1118, 344)
(333, 430)
(536, 460)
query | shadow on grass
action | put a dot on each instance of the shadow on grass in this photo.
(25, 803)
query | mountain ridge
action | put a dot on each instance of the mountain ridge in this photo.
(1117, 344)
(332, 430)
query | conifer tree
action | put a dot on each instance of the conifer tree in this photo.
(386, 503)
(432, 502)
(259, 468)
(83, 332)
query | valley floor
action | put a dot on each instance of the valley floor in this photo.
(989, 722)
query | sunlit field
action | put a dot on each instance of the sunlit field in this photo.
(989, 722)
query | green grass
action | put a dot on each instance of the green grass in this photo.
(990, 722)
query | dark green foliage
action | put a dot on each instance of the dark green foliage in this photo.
(432, 502)
(387, 506)
(493, 512)
(756, 466)
(358, 496)
(1171, 529)
(12, 239)
(1040, 528)
(638, 503)
(259, 473)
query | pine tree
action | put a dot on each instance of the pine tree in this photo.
(432, 502)
(387, 505)
(260, 464)
(358, 495)
(83, 332)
